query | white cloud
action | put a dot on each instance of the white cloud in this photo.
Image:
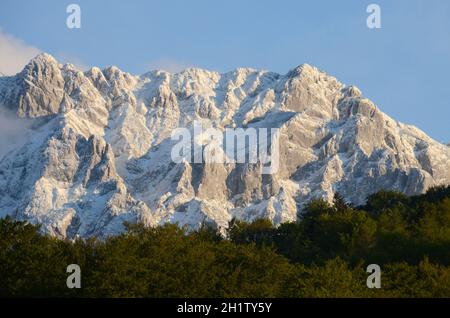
(14, 54)
(168, 65)
(13, 130)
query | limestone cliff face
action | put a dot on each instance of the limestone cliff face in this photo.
(96, 148)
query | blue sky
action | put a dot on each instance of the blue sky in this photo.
(404, 67)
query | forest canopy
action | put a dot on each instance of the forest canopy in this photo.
(324, 254)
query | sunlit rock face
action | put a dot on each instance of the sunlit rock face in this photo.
(96, 147)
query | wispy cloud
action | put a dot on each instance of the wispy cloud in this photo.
(168, 65)
(14, 53)
(13, 130)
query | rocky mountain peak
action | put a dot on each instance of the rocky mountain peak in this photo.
(99, 150)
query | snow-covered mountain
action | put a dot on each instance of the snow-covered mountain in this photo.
(93, 148)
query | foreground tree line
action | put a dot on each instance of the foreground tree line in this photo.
(324, 254)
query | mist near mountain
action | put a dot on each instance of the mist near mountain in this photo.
(13, 130)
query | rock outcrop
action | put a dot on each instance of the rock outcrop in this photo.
(97, 148)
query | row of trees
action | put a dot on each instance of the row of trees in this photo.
(391, 227)
(324, 254)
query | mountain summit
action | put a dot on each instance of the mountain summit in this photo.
(95, 148)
